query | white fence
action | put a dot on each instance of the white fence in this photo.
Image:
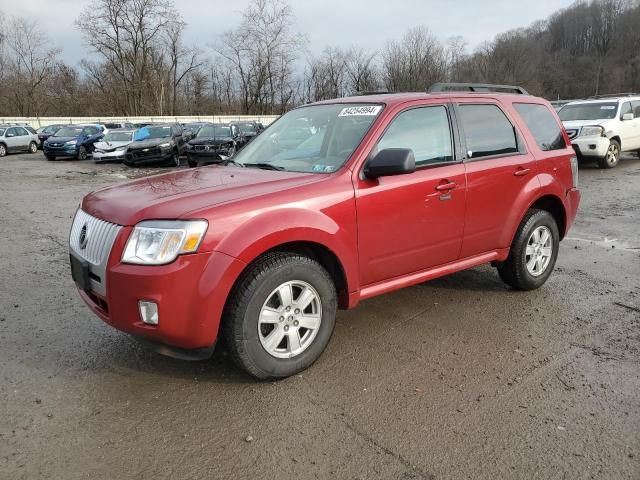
(37, 122)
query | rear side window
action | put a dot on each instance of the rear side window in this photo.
(487, 131)
(636, 108)
(543, 126)
(424, 130)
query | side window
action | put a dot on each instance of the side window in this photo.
(635, 105)
(487, 130)
(626, 108)
(542, 124)
(21, 132)
(12, 132)
(424, 130)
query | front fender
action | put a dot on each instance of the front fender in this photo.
(271, 229)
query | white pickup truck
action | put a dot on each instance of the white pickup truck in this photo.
(602, 128)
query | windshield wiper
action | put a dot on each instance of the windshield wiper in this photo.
(265, 166)
(230, 161)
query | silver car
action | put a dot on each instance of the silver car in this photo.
(113, 147)
(15, 138)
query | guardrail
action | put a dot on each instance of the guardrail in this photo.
(37, 122)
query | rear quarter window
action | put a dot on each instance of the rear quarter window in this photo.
(542, 125)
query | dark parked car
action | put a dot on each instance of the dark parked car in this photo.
(156, 145)
(75, 141)
(46, 132)
(213, 144)
(248, 131)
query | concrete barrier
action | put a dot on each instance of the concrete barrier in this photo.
(37, 122)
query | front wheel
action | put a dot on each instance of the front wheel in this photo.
(3, 150)
(33, 147)
(176, 159)
(82, 153)
(280, 315)
(533, 252)
(612, 157)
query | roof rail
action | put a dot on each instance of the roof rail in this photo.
(382, 91)
(476, 87)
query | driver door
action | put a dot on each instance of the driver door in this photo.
(408, 223)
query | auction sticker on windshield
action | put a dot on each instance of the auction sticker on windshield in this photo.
(364, 110)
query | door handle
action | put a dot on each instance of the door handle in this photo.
(443, 187)
(521, 172)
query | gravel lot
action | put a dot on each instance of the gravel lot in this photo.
(456, 378)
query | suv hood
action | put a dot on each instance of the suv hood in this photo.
(62, 139)
(173, 195)
(150, 142)
(583, 123)
(210, 140)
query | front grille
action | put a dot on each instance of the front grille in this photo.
(572, 132)
(145, 152)
(98, 237)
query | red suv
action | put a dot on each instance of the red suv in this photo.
(382, 192)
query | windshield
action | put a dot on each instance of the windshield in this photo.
(588, 111)
(118, 137)
(69, 132)
(51, 129)
(153, 132)
(247, 128)
(2, 131)
(314, 139)
(211, 131)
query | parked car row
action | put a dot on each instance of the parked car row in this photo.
(134, 144)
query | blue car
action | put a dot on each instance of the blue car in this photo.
(76, 141)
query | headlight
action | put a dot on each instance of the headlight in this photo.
(165, 145)
(72, 142)
(592, 131)
(160, 242)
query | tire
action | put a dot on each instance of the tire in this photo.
(50, 157)
(176, 159)
(33, 147)
(192, 164)
(82, 153)
(612, 157)
(256, 297)
(521, 270)
(3, 150)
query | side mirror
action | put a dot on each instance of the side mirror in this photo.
(627, 116)
(391, 161)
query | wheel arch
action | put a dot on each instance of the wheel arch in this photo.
(552, 204)
(617, 138)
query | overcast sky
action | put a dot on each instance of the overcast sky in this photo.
(367, 23)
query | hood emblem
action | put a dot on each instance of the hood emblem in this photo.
(83, 239)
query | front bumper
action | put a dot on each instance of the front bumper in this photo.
(63, 151)
(113, 156)
(190, 293)
(152, 157)
(595, 147)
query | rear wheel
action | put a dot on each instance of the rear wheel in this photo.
(612, 157)
(3, 150)
(533, 252)
(82, 153)
(33, 147)
(280, 316)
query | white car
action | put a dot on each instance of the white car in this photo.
(17, 138)
(113, 147)
(602, 128)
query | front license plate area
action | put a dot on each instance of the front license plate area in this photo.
(80, 272)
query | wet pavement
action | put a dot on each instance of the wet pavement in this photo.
(460, 377)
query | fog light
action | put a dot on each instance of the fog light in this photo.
(149, 312)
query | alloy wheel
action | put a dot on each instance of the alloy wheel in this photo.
(613, 153)
(539, 251)
(290, 319)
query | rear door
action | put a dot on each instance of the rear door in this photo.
(632, 127)
(407, 223)
(13, 140)
(498, 167)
